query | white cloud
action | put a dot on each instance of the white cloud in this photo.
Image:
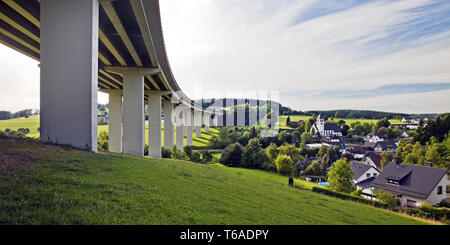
(227, 45)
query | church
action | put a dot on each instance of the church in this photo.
(325, 129)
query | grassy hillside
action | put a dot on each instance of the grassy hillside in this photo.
(44, 184)
(33, 124)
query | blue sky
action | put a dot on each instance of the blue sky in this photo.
(318, 54)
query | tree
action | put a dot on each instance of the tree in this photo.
(383, 123)
(288, 121)
(386, 157)
(251, 156)
(272, 152)
(340, 176)
(231, 155)
(284, 164)
(314, 169)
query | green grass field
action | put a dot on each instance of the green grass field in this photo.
(44, 184)
(33, 124)
(296, 118)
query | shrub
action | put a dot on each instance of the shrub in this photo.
(232, 154)
(284, 164)
(103, 141)
(176, 154)
(356, 193)
(3, 135)
(166, 153)
(207, 156)
(350, 197)
(188, 153)
(196, 157)
(386, 197)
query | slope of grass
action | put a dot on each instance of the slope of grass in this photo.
(44, 184)
(33, 124)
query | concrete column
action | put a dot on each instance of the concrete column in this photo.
(207, 120)
(133, 114)
(198, 116)
(168, 125)
(180, 131)
(69, 70)
(154, 125)
(189, 127)
(115, 121)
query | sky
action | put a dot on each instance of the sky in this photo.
(318, 54)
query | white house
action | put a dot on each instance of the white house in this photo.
(325, 129)
(374, 138)
(413, 184)
(363, 176)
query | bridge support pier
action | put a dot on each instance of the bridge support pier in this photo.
(133, 107)
(69, 70)
(189, 127)
(198, 116)
(115, 120)
(168, 125)
(180, 130)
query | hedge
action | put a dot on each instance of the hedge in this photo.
(346, 196)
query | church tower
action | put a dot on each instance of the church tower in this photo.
(320, 124)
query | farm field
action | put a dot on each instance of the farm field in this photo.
(296, 118)
(46, 184)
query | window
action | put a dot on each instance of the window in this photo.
(368, 175)
(374, 174)
(439, 190)
(392, 182)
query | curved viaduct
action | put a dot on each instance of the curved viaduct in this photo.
(114, 46)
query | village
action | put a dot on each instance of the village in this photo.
(413, 185)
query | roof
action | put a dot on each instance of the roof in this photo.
(374, 157)
(366, 183)
(332, 126)
(385, 145)
(359, 169)
(368, 144)
(414, 180)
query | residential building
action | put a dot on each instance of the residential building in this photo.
(413, 184)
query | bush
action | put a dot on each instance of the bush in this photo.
(386, 197)
(188, 153)
(357, 193)
(284, 164)
(350, 197)
(231, 156)
(103, 141)
(176, 154)
(196, 157)
(207, 156)
(3, 135)
(166, 153)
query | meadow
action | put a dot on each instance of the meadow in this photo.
(296, 118)
(47, 184)
(32, 123)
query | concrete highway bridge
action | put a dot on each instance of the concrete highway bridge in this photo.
(114, 46)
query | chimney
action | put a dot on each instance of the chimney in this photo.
(428, 164)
